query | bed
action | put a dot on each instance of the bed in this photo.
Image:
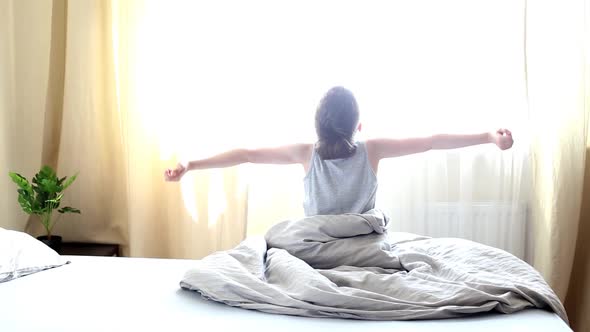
(42, 291)
(141, 294)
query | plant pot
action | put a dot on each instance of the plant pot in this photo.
(54, 242)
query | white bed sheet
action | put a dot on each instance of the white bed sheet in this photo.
(139, 294)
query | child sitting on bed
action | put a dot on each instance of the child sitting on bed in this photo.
(340, 173)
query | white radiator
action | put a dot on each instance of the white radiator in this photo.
(495, 224)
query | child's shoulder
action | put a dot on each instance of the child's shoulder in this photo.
(303, 151)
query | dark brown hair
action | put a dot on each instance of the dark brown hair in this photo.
(335, 123)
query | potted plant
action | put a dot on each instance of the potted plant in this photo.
(41, 197)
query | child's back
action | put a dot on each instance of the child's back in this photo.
(343, 185)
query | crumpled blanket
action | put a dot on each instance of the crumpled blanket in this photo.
(348, 266)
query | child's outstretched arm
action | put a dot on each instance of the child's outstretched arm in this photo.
(287, 154)
(387, 148)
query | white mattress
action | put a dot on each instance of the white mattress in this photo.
(138, 294)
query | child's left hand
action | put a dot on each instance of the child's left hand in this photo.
(502, 138)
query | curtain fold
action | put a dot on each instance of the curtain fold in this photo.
(54, 94)
(55, 84)
(120, 90)
(577, 301)
(557, 44)
(12, 219)
(25, 38)
(203, 213)
(559, 117)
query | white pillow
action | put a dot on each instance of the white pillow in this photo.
(22, 254)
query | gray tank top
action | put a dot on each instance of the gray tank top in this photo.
(337, 186)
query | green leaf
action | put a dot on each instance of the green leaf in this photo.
(25, 204)
(40, 201)
(49, 186)
(47, 172)
(68, 209)
(36, 187)
(56, 200)
(23, 193)
(21, 182)
(69, 181)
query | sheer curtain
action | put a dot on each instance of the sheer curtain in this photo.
(120, 90)
(233, 74)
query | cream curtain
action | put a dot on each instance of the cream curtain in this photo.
(577, 302)
(25, 28)
(120, 90)
(557, 44)
(69, 99)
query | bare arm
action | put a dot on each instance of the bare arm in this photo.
(287, 154)
(387, 148)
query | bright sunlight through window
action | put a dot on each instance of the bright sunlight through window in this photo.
(219, 74)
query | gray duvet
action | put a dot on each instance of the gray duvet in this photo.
(347, 266)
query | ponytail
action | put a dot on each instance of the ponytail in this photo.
(335, 149)
(336, 120)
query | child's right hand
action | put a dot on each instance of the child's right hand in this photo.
(175, 174)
